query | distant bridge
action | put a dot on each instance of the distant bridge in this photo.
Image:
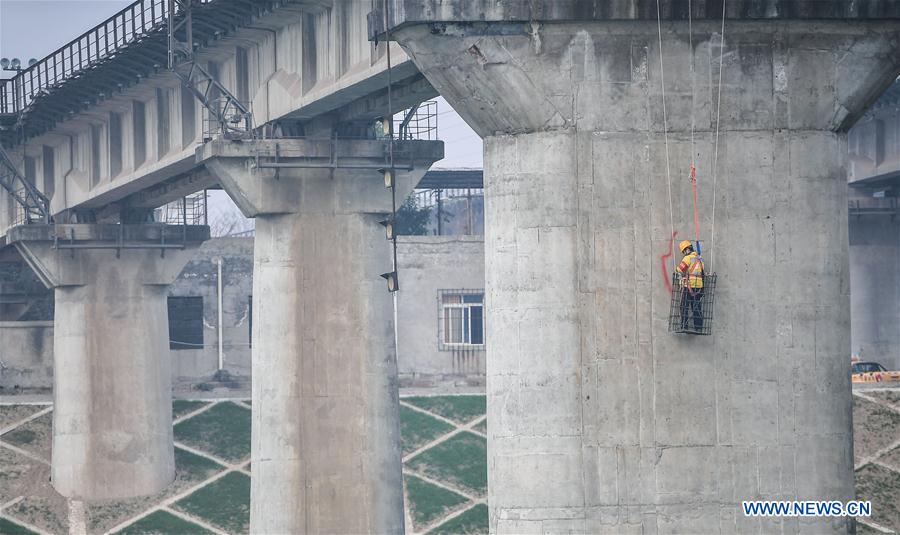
(103, 128)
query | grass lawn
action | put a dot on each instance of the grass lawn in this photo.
(190, 469)
(10, 414)
(892, 397)
(418, 429)
(475, 520)
(33, 436)
(882, 487)
(481, 427)
(11, 528)
(460, 460)
(163, 523)
(429, 502)
(223, 431)
(224, 503)
(460, 409)
(180, 407)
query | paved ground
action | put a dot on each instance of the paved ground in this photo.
(444, 460)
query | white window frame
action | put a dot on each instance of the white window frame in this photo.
(466, 316)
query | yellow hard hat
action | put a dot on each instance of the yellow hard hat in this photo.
(683, 245)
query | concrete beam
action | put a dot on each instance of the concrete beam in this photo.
(350, 167)
(473, 13)
(325, 445)
(599, 420)
(112, 417)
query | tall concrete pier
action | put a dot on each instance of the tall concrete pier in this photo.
(599, 420)
(326, 437)
(112, 382)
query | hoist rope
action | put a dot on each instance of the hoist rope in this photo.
(712, 244)
(693, 169)
(662, 78)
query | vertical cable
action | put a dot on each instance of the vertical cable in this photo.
(712, 245)
(693, 169)
(662, 78)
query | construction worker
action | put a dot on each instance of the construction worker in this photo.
(691, 269)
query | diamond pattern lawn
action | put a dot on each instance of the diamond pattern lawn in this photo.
(180, 407)
(44, 509)
(162, 523)
(190, 469)
(456, 460)
(222, 431)
(474, 520)
(33, 437)
(460, 461)
(224, 503)
(886, 397)
(16, 471)
(876, 427)
(460, 409)
(892, 458)
(418, 429)
(882, 487)
(10, 414)
(429, 502)
(10, 528)
(481, 427)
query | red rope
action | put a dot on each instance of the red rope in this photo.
(662, 264)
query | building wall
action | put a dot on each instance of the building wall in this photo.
(26, 354)
(199, 278)
(427, 265)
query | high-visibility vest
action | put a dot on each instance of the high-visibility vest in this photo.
(691, 268)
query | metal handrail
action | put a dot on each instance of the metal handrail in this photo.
(141, 18)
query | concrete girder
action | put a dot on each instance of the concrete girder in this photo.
(112, 393)
(598, 419)
(325, 441)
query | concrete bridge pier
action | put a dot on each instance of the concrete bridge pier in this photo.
(875, 281)
(325, 441)
(599, 420)
(112, 383)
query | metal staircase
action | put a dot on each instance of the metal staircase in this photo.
(34, 206)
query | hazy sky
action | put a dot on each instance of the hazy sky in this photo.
(35, 28)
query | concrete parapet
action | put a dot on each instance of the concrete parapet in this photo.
(112, 418)
(325, 440)
(599, 420)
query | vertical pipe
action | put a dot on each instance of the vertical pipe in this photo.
(219, 312)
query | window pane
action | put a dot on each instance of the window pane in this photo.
(447, 325)
(473, 298)
(450, 299)
(455, 325)
(477, 325)
(185, 322)
(465, 326)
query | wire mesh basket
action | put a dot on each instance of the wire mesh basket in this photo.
(691, 310)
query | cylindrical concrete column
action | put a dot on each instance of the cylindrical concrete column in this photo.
(326, 410)
(112, 382)
(326, 450)
(874, 285)
(112, 387)
(599, 419)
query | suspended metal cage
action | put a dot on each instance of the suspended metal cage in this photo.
(691, 310)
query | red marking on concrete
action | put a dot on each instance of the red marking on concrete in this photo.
(662, 264)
